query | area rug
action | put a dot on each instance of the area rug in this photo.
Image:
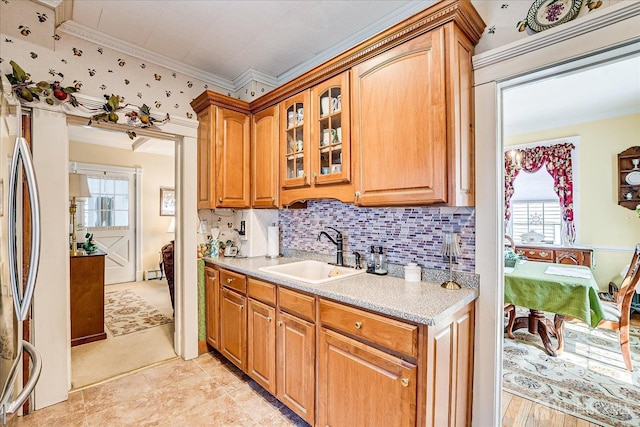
(589, 380)
(126, 312)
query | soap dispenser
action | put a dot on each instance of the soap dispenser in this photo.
(381, 263)
(371, 260)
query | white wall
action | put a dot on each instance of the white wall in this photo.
(51, 331)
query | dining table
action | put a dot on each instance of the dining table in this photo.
(560, 289)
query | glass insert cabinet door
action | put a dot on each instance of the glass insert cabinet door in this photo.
(330, 138)
(294, 140)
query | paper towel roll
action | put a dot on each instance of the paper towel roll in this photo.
(273, 241)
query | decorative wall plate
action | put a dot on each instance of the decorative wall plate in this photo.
(545, 14)
(633, 178)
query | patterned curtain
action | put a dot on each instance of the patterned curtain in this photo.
(557, 159)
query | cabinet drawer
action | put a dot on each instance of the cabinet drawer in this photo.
(536, 254)
(262, 291)
(390, 333)
(233, 280)
(296, 303)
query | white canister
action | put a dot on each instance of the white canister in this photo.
(412, 272)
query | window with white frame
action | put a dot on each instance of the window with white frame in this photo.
(109, 202)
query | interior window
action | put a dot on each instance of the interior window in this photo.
(109, 202)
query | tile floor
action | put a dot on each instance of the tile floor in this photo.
(207, 391)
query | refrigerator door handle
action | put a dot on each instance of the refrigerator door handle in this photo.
(9, 409)
(22, 301)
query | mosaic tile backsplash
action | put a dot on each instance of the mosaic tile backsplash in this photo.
(412, 234)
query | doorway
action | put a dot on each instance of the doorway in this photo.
(546, 57)
(123, 215)
(112, 217)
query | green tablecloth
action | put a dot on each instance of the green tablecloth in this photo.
(528, 286)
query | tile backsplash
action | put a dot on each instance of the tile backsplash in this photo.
(412, 234)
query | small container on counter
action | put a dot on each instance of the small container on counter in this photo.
(412, 272)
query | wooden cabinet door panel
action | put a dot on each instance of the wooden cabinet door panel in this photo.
(359, 385)
(212, 304)
(232, 159)
(233, 327)
(265, 159)
(261, 345)
(399, 124)
(206, 158)
(449, 370)
(296, 365)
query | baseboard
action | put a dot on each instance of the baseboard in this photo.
(202, 347)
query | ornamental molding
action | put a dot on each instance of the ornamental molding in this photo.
(610, 16)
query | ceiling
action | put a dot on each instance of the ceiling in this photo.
(282, 39)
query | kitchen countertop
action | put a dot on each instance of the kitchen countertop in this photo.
(420, 302)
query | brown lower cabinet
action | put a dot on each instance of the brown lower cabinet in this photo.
(296, 365)
(233, 327)
(338, 365)
(359, 385)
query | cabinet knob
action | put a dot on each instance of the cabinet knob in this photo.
(229, 280)
(404, 382)
(358, 325)
(279, 322)
(241, 306)
(543, 254)
(356, 195)
(220, 199)
(268, 319)
(273, 199)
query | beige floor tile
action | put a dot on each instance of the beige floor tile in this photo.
(221, 412)
(143, 411)
(115, 392)
(69, 413)
(171, 372)
(209, 361)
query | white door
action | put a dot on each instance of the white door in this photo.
(110, 216)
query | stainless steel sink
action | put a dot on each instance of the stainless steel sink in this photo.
(314, 272)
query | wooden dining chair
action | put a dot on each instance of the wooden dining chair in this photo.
(617, 313)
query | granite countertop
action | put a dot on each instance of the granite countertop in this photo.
(420, 302)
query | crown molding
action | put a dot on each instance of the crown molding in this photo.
(254, 75)
(587, 24)
(85, 33)
(398, 15)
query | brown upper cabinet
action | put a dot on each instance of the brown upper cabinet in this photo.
(411, 122)
(294, 141)
(223, 152)
(388, 122)
(265, 158)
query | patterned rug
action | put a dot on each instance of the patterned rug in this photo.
(126, 312)
(589, 380)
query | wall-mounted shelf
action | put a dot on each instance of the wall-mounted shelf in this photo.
(629, 178)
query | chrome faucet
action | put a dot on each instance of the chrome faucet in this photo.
(338, 242)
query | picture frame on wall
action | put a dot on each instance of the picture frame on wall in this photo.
(167, 201)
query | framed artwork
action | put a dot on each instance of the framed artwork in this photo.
(167, 201)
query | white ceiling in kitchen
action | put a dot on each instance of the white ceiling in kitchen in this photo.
(285, 38)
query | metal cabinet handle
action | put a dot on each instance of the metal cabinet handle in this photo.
(358, 325)
(229, 280)
(532, 252)
(279, 322)
(404, 382)
(241, 306)
(220, 199)
(22, 301)
(544, 254)
(268, 319)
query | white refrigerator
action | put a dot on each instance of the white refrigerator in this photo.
(18, 259)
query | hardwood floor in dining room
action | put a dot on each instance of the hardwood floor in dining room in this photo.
(519, 412)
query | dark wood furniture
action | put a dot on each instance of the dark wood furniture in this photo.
(87, 298)
(628, 166)
(541, 252)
